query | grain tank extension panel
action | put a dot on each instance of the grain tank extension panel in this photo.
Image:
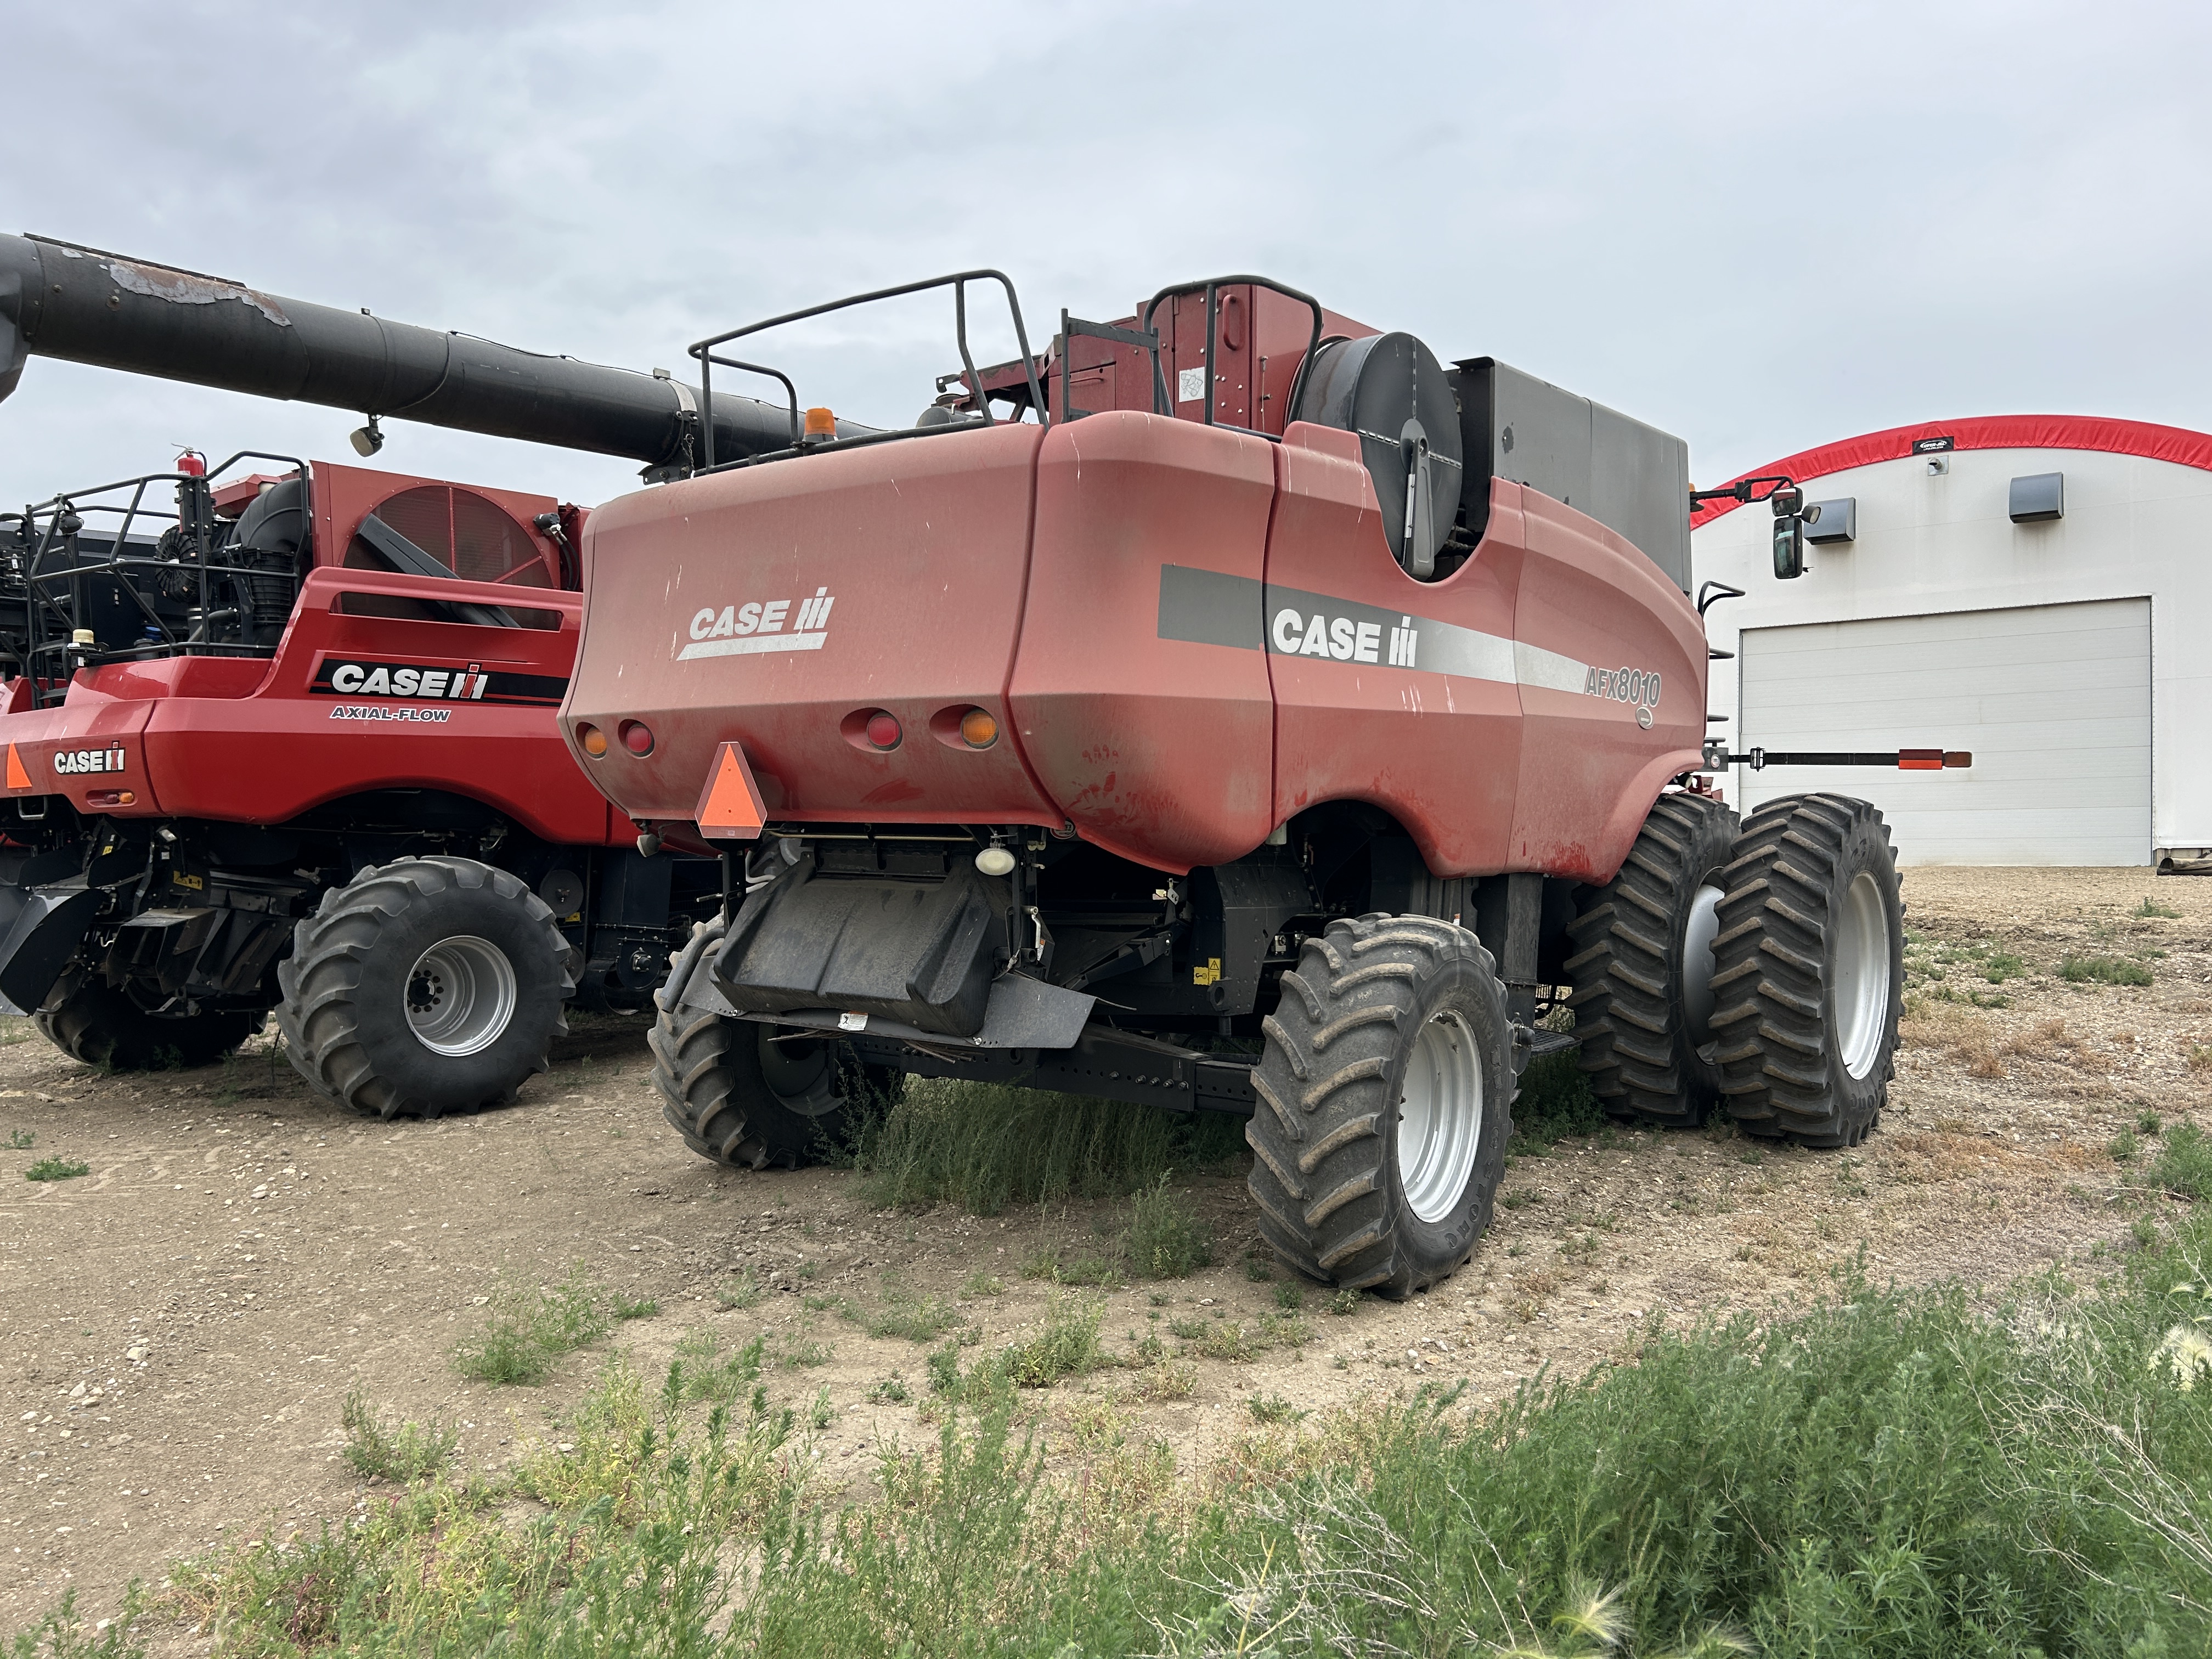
(1632, 479)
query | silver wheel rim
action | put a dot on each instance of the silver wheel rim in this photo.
(1697, 935)
(460, 996)
(1440, 1117)
(1861, 988)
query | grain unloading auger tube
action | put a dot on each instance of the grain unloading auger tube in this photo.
(1084, 735)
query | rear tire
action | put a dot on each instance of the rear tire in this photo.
(428, 985)
(1642, 999)
(746, 1094)
(1811, 971)
(1385, 1103)
(92, 1021)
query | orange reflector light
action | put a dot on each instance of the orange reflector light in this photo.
(821, 423)
(883, 730)
(17, 777)
(592, 740)
(1919, 760)
(636, 736)
(731, 809)
(978, 729)
(1957, 758)
(111, 798)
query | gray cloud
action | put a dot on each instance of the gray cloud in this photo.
(1759, 226)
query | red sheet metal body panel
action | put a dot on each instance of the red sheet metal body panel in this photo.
(1440, 752)
(1156, 747)
(704, 597)
(1596, 623)
(1118, 591)
(255, 741)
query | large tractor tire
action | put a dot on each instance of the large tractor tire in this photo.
(427, 986)
(1642, 966)
(1811, 971)
(746, 1094)
(90, 1020)
(1385, 1103)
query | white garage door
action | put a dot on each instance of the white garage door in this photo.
(2054, 701)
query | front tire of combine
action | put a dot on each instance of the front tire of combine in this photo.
(1811, 971)
(746, 1095)
(428, 986)
(90, 1020)
(1642, 966)
(1385, 1103)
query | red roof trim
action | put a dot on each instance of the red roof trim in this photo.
(2157, 443)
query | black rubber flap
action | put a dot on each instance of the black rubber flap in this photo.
(923, 953)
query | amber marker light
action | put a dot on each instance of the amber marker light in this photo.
(820, 424)
(592, 740)
(978, 729)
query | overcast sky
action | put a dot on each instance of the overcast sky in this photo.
(1759, 226)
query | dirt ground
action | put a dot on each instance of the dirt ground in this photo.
(179, 1327)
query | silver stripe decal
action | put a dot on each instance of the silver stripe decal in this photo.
(752, 645)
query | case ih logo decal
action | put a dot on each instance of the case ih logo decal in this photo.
(743, 630)
(436, 683)
(1209, 607)
(75, 763)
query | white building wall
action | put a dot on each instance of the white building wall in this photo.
(2133, 528)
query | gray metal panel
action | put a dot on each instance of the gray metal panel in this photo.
(1639, 485)
(1632, 479)
(1839, 521)
(2037, 498)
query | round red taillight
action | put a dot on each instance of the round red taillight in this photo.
(883, 730)
(637, 737)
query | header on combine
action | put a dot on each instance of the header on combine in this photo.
(1230, 706)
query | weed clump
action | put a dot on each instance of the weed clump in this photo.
(1555, 1102)
(2103, 970)
(377, 1451)
(1067, 1346)
(1167, 1239)
(2184, 1163)
(56, 1168)
(526, 1331)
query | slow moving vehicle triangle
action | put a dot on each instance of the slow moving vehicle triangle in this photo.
(732, 808)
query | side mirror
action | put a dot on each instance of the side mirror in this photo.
(1791, 515)
(1789, 548)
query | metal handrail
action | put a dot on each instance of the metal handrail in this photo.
(957, 281)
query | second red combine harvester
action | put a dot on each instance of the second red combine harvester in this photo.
(1231, 707)
(286, 739)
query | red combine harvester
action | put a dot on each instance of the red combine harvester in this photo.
(287, 738)
(1234, 708)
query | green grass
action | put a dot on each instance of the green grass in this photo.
(985, 1147)
(21, 1141)
(1056, 1264)
(1880, 1476)
(704, 1371)
(2151, 907)
(2103, 970)
(56, 1168)
(921, 1319)
(377, 1450)
(525, 1331)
